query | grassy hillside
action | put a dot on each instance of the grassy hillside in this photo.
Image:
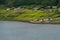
(28, 15)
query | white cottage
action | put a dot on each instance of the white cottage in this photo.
(54, 6)
(35, 8)
(8, 8)
(16, 9)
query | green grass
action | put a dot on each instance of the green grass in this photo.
(27, 15)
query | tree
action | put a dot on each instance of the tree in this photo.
(12, 3)
(9, 3)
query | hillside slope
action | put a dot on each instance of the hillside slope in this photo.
(29, 15)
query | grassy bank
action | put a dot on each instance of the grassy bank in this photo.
(28, 15)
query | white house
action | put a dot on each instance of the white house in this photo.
(8, 8)
(54, 6)
(16, 9)
(35, 8)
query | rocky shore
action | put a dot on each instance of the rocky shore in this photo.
(49, 20)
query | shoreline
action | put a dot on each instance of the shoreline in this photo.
(29, 22)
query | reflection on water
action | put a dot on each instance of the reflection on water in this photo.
(10, 30)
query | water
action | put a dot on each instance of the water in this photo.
(10, 30)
